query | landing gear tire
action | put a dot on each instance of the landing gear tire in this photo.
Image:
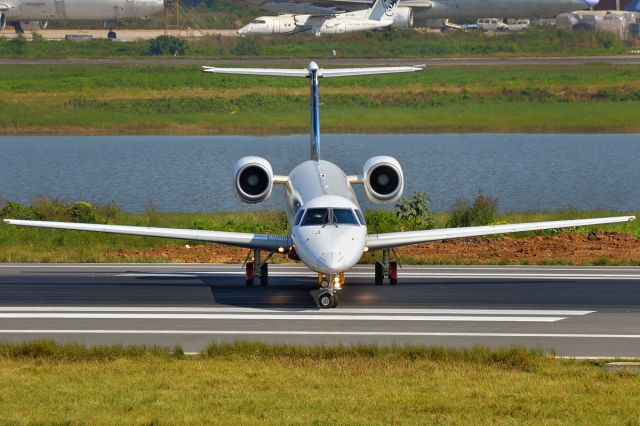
(264, 274)
(393, 273)
(111, 35)
(379, 276)
(326, 301)
(250, 273)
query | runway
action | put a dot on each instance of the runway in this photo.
(573, 311)
(337, 62)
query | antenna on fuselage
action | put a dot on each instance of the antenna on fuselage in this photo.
(314, 73)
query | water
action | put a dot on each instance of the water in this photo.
(186, 173)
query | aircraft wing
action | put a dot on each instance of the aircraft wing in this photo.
(398, 239)
(236, 239)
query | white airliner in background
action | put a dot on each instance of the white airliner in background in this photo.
(423, 11)
(327, 230)
(380, 15)
(34, 15)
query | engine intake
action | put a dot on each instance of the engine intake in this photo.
(403, 18)
(253, 180)
(383, 179)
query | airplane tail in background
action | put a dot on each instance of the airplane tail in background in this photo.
(313, 73)
(382, 9)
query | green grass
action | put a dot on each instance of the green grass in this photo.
(249, 383)
(379, 44)
(181, 100)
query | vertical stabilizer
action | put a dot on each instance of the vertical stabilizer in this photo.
(382, 8)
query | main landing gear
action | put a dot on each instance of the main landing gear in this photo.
(257, 268)
(329, 286)
(386, 269)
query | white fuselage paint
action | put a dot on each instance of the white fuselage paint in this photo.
(52, 10)
(329, 249)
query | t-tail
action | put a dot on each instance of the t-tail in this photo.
(314, 73)
(382, 8)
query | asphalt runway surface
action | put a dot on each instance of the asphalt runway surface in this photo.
(337, 62)
(574, 311)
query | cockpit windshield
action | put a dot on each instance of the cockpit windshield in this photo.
(329, 217)
(258, 21)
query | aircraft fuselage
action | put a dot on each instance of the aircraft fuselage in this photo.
(52, 10)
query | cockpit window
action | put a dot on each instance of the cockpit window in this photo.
(316, 217)
(344, 217)
(258, 21)
(296, 220)
(360, 217)
(329, 217)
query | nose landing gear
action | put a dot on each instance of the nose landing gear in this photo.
(329, 286)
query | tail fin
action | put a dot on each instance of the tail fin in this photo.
(313, 73)
(382, 8)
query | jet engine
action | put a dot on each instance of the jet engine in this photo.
(253, 180)
(383, 179)
(3, 21)
(403, 18)
(33, 25)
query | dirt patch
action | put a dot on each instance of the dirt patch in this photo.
(568, 248)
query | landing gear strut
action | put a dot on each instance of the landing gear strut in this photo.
(386, 269)
(257, 267)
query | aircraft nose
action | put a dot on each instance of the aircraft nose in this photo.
(332, 262)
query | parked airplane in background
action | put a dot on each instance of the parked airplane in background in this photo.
(426, 10)
(327, 230)
(27, 15)
(380, 15)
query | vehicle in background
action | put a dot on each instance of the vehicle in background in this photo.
(491, 24)
(517, 25)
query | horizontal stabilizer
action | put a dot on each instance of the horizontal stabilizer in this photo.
(398, 239)
(304, 73)
(237, 239)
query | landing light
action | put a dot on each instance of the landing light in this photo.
(366, 249)
(280, 249)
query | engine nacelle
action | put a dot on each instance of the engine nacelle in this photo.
(253, 180)
(403, 18)
(33, 25)
(3, 21)
(383, 179)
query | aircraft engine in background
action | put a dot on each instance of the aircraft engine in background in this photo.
(383, 179)
(253, 180)
(33, 25)
(403, 18)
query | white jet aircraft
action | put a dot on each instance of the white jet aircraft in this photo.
(380, 15)
(34, 15)
(327, 230)
(424, 11)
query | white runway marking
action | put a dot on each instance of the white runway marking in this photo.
(271, 317)
(426, 274)
(324, 333)
(385, 311)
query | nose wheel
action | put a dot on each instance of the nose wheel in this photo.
(327, 295)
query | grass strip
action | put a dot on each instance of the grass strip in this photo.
(181, 100)
(247, 383)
